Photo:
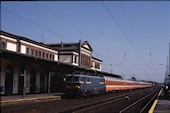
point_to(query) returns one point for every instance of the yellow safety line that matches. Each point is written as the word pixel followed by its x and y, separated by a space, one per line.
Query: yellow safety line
pixel 17 100
pixel 155 102
pixel 160 92
pixel 153 106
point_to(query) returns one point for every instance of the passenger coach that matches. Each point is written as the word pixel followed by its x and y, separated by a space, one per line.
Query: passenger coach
pixel 114 84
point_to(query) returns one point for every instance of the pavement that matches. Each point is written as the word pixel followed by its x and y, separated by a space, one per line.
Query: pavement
pixel 161 105
pixel 13 99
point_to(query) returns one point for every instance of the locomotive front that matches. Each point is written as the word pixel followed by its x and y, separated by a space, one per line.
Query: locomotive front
pixel 72 86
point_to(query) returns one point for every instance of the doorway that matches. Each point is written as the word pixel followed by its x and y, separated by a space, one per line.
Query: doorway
pixel 33 81
pixel 9 80
pixel 42 82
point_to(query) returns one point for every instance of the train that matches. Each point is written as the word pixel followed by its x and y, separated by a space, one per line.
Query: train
pixel 80 85
pixel 166 88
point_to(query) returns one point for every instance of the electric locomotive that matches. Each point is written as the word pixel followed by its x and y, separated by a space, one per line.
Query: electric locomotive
pixel 77 85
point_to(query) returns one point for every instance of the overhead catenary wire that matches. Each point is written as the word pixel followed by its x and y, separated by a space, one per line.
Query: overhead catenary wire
pixel 120 28
pixel 81 32
pixel 123 32
pixel 135 32
pixel 125 35
pixel 77 29
pixel 35 24
pixel 101 45
pixel 131 25
pixel 137 36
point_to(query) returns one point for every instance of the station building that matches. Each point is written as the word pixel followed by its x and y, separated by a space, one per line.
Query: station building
pixel 26 65
pixel 78 53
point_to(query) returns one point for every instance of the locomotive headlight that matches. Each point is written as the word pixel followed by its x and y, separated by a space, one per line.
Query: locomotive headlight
pixel 77 87
pixel 166 87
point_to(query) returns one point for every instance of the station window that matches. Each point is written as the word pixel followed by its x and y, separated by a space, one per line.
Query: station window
pixel 43 54
pixel 27 51
pixel 39 53
pixel 50 56
pixel 75 59
pixel 2 45
pixel 53 57
pixel 32 52
pixel 47 55
pixel 36 53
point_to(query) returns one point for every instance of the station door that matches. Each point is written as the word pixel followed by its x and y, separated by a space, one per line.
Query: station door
pixel 9 80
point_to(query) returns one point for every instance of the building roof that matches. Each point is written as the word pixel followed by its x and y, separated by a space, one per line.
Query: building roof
pixel 96 59
pixel 24 57
pixel 25 39
pixel 73 45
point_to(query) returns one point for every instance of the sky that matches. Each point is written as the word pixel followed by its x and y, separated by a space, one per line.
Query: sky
pixel 130 37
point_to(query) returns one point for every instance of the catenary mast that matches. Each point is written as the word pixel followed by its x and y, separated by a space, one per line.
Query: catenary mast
pixel 167 74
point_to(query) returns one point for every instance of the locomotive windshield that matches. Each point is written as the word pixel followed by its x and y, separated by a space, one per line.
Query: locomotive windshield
pixel 72 79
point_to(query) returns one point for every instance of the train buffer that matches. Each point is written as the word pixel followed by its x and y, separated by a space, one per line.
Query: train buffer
pixel 161 105
pixel 13 99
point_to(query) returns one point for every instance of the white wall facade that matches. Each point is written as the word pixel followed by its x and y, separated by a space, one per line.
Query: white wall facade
pixel 56 57
pixel 23 49
pixel 11 46
pixel 66 58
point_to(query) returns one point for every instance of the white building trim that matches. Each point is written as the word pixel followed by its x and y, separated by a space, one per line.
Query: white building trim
pixel 5 37
pixel 38 46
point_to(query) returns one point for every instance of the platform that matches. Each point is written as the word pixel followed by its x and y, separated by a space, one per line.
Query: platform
pixel 13 99
pixel 161 105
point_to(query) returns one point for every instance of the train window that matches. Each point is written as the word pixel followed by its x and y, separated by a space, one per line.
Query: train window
pixel 75 78
pixel 82 79
pixel 69 78
pixel 27 51
pixel 2 45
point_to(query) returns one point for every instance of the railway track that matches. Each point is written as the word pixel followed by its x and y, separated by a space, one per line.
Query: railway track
pixel 44 105
pixel 119 104
pixel 77 105
pixel 138 105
